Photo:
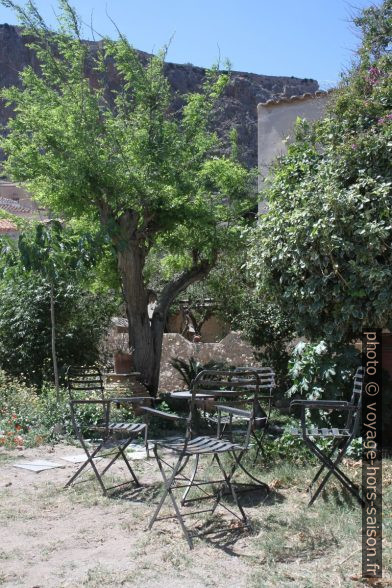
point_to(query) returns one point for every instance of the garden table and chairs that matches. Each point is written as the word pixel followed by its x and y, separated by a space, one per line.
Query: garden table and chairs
pixel 232 402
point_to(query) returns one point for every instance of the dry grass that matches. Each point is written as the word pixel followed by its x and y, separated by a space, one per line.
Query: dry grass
pixel 50 537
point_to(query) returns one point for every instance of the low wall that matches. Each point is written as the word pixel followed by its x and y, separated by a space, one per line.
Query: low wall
pixel 231 349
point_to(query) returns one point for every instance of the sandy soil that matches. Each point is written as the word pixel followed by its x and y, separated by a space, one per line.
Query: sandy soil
pixel 51 537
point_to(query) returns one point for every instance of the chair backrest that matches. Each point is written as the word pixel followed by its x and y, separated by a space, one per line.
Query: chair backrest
pixel 266 376
pixel 356 397
pixel 82 380
pixel 354 416
pixel 228 386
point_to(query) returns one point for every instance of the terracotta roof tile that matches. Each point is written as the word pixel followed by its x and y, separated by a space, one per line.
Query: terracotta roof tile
pixel 13 206
pixel 291 99
pixel 7 226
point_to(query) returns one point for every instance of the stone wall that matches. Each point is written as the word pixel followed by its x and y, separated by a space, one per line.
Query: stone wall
pixel 232 349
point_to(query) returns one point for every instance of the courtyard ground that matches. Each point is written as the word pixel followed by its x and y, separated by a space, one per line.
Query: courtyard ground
pixel 50 537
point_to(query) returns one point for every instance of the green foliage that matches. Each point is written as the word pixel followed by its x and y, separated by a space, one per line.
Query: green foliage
pixel 25 327
pixel 152 176
pixel 323 252
pixel 28 418
pixel 79 147
pixel 322 372
pixel 188 369
pixel 264 326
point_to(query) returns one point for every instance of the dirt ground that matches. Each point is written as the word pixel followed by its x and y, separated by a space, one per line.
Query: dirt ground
pixel 51 537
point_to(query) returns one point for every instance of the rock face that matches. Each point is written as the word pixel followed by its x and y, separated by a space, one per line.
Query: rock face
pixel 237 107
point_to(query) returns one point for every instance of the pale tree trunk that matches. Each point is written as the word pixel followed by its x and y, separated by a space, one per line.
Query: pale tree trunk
pixel 54 355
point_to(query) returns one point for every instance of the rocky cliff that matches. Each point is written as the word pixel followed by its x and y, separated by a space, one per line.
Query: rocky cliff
pixel 237 108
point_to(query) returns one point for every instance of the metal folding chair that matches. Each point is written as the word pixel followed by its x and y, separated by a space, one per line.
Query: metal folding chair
pixel 340 438
pixel 195 446
pixel 266 383
pixel 85 388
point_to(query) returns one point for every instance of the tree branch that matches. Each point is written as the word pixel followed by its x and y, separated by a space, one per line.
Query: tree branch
pixel 185 279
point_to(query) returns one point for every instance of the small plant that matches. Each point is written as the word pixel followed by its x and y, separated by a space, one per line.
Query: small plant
pixel 188 369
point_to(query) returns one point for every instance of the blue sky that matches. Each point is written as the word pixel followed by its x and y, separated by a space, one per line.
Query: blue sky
pixel 304 38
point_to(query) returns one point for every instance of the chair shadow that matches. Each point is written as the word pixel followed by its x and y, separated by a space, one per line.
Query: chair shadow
pixel 147 493
pixel 252 495
pixel 221 534
pixel 338 497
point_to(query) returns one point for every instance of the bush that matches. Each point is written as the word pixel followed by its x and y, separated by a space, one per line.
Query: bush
pixel 28 418
pixel 188 369
pixel 320 372
pixel 25 327
pixel 323 252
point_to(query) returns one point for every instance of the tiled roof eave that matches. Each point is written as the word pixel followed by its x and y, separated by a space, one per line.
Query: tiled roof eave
pixel 293 99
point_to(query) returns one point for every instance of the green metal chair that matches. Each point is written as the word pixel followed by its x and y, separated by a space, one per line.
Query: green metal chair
pixel 85 388
pixel 340 438
pixel 208 384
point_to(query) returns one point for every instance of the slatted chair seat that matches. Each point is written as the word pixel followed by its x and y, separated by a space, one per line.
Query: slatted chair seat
pixel 200 445
pixel 85 387
pixel 323 432
pixel 340 438
pixel 122 427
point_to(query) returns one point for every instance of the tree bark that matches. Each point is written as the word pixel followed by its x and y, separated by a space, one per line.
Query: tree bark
pixel 145 334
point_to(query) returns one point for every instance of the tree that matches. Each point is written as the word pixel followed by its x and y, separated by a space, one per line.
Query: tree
pixel 55 255
pixel 153 177
pixel 323 253
pixel 82 318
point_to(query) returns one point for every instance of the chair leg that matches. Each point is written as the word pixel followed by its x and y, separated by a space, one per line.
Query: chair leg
pixel 146 441
pixel 332 466
pixel 121 451
pixel 89 460
pixel 259 446
pixel 238 464
pixel 130 469
pixel 191 480
pixel 168 491
pixel 231 488
pixel 335 446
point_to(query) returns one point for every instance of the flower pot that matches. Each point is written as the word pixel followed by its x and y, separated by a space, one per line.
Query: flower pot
pixel 123 363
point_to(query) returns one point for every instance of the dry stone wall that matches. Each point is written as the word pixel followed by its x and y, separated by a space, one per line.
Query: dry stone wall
pixel 232 349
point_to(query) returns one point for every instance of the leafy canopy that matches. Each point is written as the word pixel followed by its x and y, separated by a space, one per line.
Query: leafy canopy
pixel 82 147
pixel 323 253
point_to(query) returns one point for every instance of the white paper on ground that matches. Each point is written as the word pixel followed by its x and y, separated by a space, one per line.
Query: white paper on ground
pixel 38 465
pixel 137 455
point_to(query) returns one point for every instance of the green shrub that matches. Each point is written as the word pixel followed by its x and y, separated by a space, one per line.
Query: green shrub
pixel 322 372
pixel 27 417
pixel 30 417
pixel 25 328
pixel 188 369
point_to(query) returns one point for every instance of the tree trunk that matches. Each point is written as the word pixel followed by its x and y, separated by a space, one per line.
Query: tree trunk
pixel 144 338
pixel 54 355
pixel 145 335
